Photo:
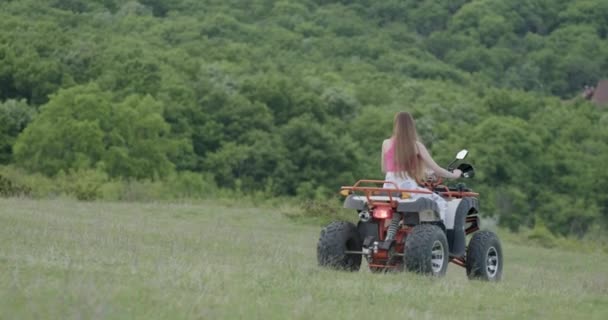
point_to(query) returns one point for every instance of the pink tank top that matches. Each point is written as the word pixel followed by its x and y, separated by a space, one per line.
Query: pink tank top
pixel 389 156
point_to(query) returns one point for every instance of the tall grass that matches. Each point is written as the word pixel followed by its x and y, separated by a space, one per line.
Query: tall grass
pixel 64 259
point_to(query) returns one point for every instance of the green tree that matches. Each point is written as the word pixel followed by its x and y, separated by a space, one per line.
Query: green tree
pixel 82 128
pixel 15 115
pixel 319 155
pixel 137 143
pixel 29 60
pixel 68 132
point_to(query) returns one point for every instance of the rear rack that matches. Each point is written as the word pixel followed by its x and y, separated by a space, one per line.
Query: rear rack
pixel 370 191
pixel 375 190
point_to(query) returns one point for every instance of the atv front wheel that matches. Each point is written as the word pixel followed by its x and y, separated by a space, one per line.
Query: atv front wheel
pixel 336 239
pixel 426 250
pixel 484 257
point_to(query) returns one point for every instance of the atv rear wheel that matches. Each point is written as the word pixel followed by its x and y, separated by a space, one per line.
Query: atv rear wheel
pixel 426 250
pixel 337 238
pixel 484 257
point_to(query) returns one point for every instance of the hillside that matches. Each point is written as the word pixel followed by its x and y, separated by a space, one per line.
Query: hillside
pixel 292 98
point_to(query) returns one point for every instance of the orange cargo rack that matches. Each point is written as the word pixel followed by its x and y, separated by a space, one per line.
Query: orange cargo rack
pixel 370 191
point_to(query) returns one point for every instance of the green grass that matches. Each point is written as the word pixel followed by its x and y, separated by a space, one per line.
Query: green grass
pixel 64 260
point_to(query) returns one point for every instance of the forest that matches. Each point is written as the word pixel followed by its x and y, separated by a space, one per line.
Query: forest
pixel 293 98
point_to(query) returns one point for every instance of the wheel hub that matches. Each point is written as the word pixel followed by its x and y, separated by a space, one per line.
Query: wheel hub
pixel 437 257
pixel 492 262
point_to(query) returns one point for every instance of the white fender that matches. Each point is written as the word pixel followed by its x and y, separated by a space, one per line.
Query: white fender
pixel 450 213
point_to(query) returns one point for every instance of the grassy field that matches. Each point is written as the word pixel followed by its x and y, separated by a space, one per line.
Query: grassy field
pixel 69 260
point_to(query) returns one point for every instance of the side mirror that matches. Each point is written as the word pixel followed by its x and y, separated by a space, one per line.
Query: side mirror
pixel 462 154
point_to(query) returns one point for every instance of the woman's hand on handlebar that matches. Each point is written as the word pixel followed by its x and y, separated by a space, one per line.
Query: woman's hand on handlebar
pixel 457 173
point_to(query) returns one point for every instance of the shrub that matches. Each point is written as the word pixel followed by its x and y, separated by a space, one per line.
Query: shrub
pixel 541 235
pixel 83 184
pixel 9 188
pixel 188 184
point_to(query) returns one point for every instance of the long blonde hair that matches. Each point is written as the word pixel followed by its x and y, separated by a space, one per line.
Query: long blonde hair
pixel 405 137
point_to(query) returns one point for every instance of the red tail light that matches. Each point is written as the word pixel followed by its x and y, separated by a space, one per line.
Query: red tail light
pixel 383 213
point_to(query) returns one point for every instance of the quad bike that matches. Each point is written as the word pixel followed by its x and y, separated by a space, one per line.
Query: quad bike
pixel 399 230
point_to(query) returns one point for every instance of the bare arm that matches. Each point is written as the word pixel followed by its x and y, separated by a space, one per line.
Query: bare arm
pixel 384 146
pixel 430 163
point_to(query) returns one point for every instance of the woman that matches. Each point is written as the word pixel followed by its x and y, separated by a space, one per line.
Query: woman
pixel 405 160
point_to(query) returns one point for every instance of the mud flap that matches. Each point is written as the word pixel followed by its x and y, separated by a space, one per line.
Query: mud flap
pixel 367 229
